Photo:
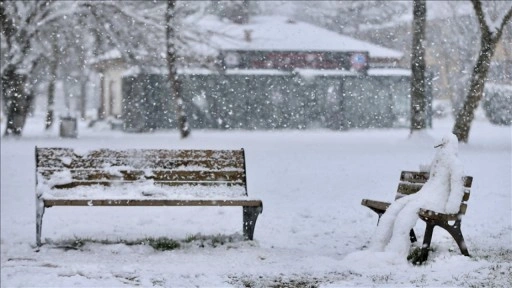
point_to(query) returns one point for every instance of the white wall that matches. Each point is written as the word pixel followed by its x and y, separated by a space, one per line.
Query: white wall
pixel 112 91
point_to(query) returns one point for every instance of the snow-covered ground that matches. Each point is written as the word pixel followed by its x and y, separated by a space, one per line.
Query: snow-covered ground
pixel 311 184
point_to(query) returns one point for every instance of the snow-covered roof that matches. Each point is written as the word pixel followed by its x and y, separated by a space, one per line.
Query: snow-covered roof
pixel 277 33
pixel 389 72
pixel 133 71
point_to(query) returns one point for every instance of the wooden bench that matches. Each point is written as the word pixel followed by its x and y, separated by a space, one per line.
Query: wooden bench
pixel 143 177
pixel 411 182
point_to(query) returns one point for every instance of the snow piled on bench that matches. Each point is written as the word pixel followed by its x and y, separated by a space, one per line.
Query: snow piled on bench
pixel 143 191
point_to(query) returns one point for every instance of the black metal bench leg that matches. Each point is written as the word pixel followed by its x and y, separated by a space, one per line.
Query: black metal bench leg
pixel 427 238
pixel 462 244
pixel 456 233
pixel 39 221
pixel 412 236
pixel 250 214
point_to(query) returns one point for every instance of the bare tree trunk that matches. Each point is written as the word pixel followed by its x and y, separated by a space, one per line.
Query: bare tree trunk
pixel 83 96
pixel 488 41
pixel 50 109
pixel 16 99
pixel 84 76
pixel 245 11
pixel 418 98
pixel 51 99
pixel 466 114
pixel 173 74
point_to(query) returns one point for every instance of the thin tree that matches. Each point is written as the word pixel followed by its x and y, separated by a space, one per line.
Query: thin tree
pixel 174 80
pixel 22 25
pixel 418 99
pixel 13 79
pixel 490 36
pixel 54 65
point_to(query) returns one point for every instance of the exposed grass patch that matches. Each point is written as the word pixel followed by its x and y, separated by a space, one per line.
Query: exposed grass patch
pixel 163 243
pixel 492 254
pixel 381 279
pixel 160 243
pixel 415 256
pixel 496 275
pixel 202 241
pixel 275 282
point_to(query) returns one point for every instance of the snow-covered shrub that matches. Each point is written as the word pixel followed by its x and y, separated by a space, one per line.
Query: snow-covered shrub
pixel 497 104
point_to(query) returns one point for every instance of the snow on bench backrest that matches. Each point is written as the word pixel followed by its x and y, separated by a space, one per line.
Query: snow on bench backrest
pixel 150 170
pixel 411 182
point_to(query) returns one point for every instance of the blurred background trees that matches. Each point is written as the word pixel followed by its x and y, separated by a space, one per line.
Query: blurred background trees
pixel 47 46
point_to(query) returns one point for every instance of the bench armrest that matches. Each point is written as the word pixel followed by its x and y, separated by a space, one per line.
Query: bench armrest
pixel 426 214
pixel 377 206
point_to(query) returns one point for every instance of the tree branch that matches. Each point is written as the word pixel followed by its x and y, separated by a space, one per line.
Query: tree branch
pixel 134 16
pixel 507 17
pixel 477 4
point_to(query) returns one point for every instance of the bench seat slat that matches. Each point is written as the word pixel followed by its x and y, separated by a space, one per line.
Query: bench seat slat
pixel 140 163
pixel 151 202
pixel 468 181
pixel 432 215
pixel 155 175
pixel 375 205
pixel 422 177
pixel 108 183
pixel 51 152
pixel 408 188
pixel 465 197
pixel 167 154
pixel 67 154
pixel 414 177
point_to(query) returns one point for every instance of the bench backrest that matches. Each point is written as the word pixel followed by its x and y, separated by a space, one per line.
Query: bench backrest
pixel 411 182
pixel 163 167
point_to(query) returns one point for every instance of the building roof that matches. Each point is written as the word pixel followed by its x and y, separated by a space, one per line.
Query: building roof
pixel 112 58
pixel 265 33
pixel 277 33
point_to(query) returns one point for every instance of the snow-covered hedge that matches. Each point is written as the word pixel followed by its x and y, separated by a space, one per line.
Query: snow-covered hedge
pixel 497 103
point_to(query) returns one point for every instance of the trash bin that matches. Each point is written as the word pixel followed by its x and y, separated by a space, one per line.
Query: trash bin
pixel 68 127
pixel 116 124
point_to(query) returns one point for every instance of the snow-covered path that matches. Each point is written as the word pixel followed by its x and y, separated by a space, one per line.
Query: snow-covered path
pixel 311 184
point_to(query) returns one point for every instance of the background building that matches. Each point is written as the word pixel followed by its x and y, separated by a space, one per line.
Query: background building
pixel 271 72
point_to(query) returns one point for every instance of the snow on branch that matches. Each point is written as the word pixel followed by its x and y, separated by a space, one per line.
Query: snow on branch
pixel 54 11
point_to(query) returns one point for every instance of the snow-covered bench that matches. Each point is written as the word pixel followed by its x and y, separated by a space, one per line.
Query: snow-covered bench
pixel 411 182
pixel 143 177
